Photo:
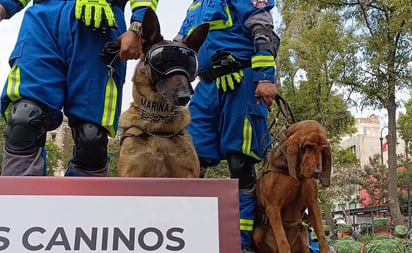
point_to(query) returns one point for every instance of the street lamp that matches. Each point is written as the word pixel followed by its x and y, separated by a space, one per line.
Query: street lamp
pixel 381 139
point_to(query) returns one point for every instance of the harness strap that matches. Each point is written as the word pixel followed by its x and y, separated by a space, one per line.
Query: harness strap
pixel 137 132
pixel 131 132
pixel 274 169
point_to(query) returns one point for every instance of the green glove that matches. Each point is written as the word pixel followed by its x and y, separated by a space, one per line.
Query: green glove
pixel 232 73
pixel 230 80
pixel 95 13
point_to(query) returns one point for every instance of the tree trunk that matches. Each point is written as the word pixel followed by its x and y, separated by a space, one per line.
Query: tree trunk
pixel 392 165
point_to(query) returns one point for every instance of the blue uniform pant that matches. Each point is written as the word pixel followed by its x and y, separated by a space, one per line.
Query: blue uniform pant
pixel 56 64
pixel 225 122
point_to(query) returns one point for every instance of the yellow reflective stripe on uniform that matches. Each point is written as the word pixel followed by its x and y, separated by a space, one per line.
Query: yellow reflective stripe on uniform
pixel 214 24
pixel 246 225
pixel 143 3
pixel 110 103
pixel 221 24
pixel 24 2
pixel 194 6
pixel 7 111
pixel 13 84
pixel 259 61
pixel 247 140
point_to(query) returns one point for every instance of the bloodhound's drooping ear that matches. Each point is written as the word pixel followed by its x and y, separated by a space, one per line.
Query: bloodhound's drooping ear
pixel 326 166
pixel 150 30
pixel 292 151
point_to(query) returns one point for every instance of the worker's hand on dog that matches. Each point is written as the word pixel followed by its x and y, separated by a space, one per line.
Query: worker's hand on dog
pixel 130 46
pixel 266 91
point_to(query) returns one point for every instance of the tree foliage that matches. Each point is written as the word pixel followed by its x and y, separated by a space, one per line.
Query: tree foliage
pixel 404 124
pixel 316 45
pixel 114 151
pixel 344 183
pixel 363 49
pixel 374 181
pixel 56 157
pixel 404 181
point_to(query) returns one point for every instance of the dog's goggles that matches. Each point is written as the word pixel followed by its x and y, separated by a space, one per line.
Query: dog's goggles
pixel 168 59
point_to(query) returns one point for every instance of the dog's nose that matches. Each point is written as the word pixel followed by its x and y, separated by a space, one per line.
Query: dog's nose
pixel 183 100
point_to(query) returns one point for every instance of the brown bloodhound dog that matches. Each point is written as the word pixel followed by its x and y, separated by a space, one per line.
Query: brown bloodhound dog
pixel 288 186
pixel 155 142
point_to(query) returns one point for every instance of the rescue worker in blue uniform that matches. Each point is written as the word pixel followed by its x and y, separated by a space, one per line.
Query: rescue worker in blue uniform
pixel 237 84
pixel 56 69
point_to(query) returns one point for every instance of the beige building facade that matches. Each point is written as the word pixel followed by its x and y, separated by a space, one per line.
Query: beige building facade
pixel 59 136
pixel 365 144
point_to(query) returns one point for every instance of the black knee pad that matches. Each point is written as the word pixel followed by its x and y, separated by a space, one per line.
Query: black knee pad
pixel 90 145
pixel 26 128
pixel 204 164
pixel 242 167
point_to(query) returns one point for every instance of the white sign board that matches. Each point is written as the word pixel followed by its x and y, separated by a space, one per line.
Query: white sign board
pixel 36 219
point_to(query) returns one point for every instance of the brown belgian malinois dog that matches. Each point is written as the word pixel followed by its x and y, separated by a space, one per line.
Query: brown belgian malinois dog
pixel 155 142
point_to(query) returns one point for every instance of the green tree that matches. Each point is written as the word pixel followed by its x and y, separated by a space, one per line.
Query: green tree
pixel 219 171
pixel 377 68
pixel 405 127
pixel 344 182
pixel 374 180
pixel 315 44
pixel 385 47
pixel 55 158
pixel 404 181
pixel 114 151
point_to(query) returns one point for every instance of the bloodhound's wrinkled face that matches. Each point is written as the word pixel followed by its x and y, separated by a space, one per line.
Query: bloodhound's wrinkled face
pixel 172 66
pixel 313 151
pixel 308 151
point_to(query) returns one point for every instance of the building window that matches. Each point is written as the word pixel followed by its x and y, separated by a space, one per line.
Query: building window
pixel 352 149
pixel 353 205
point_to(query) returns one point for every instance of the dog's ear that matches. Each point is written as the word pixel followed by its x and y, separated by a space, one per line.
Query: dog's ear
pixel 150 28
pixel 197 37
pixel 292 150
pixel 326 166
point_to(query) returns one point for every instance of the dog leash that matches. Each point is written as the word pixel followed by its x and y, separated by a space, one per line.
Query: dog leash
pixel 284 108
pixel 289 119
pixel 110 53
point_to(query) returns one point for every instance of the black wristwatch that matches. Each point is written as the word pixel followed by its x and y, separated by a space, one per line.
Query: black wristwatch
pixel 136 27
